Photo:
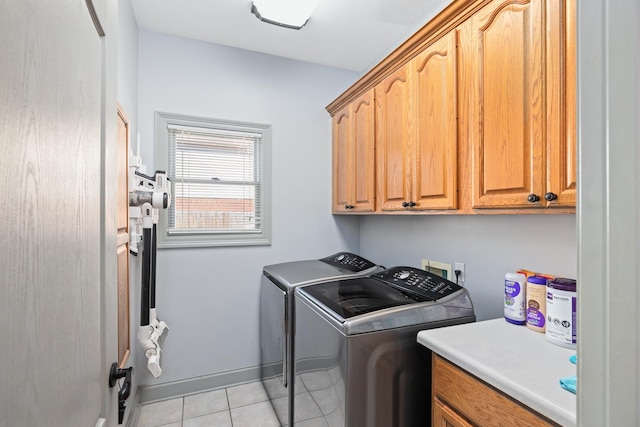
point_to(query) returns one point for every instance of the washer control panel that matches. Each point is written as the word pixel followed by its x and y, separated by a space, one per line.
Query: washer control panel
pixel 417 281
pixel 348 261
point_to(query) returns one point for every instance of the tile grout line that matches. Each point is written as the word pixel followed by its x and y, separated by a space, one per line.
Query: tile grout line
pixel 226 393
pixel 182 421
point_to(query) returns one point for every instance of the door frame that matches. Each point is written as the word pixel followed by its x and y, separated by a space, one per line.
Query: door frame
pixel 608 208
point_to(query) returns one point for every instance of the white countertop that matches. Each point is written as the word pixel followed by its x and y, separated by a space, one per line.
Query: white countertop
pixel 514 359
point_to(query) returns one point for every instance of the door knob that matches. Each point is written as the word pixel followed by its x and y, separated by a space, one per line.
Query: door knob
pixel 123 394
pixel 533 198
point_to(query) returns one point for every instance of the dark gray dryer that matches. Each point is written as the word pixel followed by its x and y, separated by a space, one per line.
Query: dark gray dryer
pixel 277 316
pixel 357 358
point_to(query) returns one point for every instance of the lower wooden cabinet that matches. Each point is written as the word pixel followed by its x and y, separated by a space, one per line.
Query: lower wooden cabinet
pixel 444 416
pixel 461 400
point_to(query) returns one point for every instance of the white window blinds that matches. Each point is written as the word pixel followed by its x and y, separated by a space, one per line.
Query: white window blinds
pixel 220 173
pixel 217 180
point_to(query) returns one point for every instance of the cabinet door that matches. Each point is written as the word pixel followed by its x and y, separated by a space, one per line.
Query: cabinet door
pixel 342 156
pixel 561 102
pixel 363 164
pixel 476 401
pixel 393 161
pixel 435 133
pixel 354 156
pixel 502 54
pixel 443 416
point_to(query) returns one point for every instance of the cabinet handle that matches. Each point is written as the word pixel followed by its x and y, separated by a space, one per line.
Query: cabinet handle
pixel 550 196
pixel 349 206
pixel 533 198
pixel 412 204
pixel 405 204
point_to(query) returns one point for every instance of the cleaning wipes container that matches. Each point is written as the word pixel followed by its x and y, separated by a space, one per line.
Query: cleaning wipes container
pixel 536 303
pixel 561 312
pixel 514 298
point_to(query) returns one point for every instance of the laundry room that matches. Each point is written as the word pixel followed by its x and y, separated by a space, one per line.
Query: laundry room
pixel 218 287
pixel 216 290
pixel 317 305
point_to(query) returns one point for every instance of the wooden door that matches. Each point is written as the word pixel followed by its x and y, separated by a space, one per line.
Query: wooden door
pixel 122 251
pixel 435 133
pixel 476 401
pixel 342 158
pixel 354 156
pixel 502 55
pixel 444 416
pixel 393 147
pixel 363 164
pixel 53 292
pixel 561 102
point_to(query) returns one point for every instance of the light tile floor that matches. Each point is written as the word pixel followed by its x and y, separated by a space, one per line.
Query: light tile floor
pixel 245 405
pixel 318 397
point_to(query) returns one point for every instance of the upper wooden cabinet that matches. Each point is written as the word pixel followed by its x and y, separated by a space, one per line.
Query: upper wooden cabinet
pixel 416 132
pixel 353 156
pixel 434 101
pixel 392 141
pixel 475 113
pixel 515 59
pixel 561 102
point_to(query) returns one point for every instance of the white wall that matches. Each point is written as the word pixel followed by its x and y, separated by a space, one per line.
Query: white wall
pixel 209 296
pixel 489 245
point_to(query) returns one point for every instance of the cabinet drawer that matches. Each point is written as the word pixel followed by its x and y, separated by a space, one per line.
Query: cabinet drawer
pixel 477 401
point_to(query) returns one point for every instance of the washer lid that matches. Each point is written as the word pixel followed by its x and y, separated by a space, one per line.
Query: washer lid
pixel 353 297
pixel 340 265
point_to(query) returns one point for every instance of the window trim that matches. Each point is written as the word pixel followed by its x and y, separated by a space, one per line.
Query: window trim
pixel 195 239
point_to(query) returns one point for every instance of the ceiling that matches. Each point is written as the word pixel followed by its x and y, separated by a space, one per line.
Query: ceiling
pixel 349 34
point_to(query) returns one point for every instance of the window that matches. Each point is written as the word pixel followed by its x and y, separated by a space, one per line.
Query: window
pixel 219 172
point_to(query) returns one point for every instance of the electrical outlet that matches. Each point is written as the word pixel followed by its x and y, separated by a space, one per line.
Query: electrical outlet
pixel 461 278
pixel 441 269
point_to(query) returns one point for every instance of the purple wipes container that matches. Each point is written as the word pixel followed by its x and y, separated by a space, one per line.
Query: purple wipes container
pixel 561 312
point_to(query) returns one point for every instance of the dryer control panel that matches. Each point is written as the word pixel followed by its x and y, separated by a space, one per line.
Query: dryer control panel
pixel 348 261
pixel 417 281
